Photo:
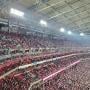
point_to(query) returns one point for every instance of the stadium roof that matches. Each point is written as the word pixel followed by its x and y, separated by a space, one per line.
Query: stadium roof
pixel 73 15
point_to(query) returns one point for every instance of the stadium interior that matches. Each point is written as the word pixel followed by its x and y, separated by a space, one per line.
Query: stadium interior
pixel 44 44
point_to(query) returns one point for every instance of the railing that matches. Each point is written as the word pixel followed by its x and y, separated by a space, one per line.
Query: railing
pixel 43 61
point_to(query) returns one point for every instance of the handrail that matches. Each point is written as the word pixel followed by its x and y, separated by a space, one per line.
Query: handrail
pixel 48 60
pixel 39 62
pixel 54 74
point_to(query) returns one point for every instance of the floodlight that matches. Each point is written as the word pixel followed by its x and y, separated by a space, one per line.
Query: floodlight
pixel 42 22
pixel 69 32
pixel 16 12
pixel 62 30
pixel 81 34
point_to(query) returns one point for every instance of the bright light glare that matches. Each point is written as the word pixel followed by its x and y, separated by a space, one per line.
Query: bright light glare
pixel 69 32
pixel 62 30
pixel 81 34
pixel 42 22
pixel 16 12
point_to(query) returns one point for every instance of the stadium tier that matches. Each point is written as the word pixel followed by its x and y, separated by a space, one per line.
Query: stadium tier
pixel 44 44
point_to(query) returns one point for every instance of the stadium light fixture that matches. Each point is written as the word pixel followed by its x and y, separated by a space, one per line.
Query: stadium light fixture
pixel 16 12
pixel 43 23
pixel 81 34
pixel 62 30
pixel 69 32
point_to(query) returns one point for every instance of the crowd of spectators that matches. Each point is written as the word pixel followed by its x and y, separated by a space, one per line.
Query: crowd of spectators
pixel 12 63
pixel 66 80
pixel 14 41
pixel 22 79
pixel 75 78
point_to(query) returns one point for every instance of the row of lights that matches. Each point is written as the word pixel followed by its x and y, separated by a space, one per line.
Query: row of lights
pixel 69 32
pixel 62 30
pixel 42 22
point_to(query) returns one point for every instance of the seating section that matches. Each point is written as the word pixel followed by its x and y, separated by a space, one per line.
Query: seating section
pixel 10 41
pixel 12 63
pixel 21 79
pixel 75 78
